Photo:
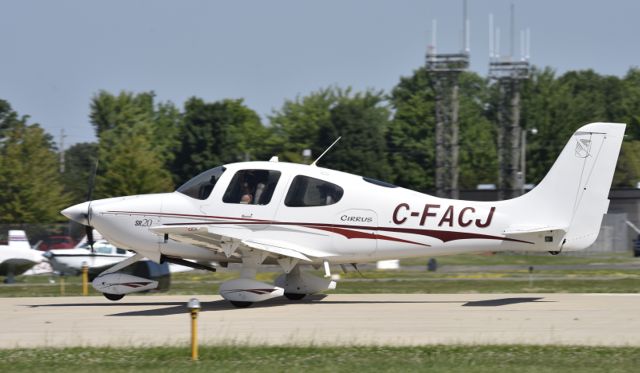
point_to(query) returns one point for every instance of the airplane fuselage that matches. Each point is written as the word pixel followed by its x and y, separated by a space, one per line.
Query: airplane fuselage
pixel 370 221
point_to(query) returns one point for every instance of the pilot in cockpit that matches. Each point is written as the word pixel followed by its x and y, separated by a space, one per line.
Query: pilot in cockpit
pixel 246 196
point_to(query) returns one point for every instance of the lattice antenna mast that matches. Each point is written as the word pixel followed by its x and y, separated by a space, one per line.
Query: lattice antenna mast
pixel 465 29
pixel 444 70
pixel 508 74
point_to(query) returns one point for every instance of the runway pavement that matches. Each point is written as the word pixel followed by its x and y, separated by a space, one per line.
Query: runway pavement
pixel 369 319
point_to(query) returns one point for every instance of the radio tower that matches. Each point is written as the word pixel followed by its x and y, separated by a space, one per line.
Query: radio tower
pixel 509 74
pixel 444 70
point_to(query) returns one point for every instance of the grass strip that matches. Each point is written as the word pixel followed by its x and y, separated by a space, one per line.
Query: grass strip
pixel 439 358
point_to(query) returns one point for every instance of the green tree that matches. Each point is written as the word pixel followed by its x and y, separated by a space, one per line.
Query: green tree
pixel 216 133
pixel 295 127
pixel 109 111
pixel 411 136
pixel 79 162
pixel 478 161
pixel 361 120
pixel 31 188
pixel 628 167
pixel 127 109
pixel 132 155
pixel 631 103
pixel 318 119
pixel 167 121
pixel 540 105
pixel 129 165
pixel 411 139
pixel 556 107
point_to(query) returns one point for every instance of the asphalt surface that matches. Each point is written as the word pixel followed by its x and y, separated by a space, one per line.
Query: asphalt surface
pixel 340 319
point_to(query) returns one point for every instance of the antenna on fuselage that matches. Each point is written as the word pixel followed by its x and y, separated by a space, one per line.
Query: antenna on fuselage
pixel 325 152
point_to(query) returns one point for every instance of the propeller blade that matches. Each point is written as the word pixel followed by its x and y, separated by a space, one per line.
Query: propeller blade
pixel 92 181
pixel 89 232
pixel 88 228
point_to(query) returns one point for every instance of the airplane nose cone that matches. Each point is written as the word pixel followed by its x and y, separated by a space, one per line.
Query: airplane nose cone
pixel 78 213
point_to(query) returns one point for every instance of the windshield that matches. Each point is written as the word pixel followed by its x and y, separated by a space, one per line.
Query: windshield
pixel 200 187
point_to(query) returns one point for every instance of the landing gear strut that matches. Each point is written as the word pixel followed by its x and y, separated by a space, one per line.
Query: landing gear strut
pixel 244 291
pixel 114 285
pixel 298 284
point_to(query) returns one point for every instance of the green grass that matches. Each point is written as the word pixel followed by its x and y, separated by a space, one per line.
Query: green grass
pixel 488 286
pixel 467 359
pixel 573 281
pixel 489 259
pixel 456 278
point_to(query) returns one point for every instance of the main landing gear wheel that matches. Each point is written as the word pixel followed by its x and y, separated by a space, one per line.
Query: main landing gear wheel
pixel 294 296
pixel 240 304
pixel 113 297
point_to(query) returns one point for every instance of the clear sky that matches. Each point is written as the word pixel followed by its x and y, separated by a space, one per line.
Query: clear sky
pixel 54 55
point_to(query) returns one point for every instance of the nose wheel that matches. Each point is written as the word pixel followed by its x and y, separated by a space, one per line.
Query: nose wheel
pixel 113 297
pixel 240 304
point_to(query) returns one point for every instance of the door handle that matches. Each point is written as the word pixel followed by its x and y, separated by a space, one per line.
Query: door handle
pixel 247 215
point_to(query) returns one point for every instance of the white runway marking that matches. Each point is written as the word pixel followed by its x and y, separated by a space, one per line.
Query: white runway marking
pixel 365 319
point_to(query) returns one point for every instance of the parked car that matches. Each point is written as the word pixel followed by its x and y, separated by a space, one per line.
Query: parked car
pixel 57 242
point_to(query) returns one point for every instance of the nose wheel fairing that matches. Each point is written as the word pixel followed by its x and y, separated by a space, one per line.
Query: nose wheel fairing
pixel 114 285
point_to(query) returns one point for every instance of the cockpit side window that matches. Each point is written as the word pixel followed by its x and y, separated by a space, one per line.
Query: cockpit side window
pixel 103 249
pixel 200 187
pixel 252 187
pixel 307 191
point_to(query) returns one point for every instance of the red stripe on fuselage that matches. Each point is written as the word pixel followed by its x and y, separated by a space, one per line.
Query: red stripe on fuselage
pixel 442 235
pixel 348 233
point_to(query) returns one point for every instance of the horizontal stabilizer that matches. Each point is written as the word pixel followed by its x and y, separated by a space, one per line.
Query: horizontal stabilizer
pixel 515 230
pixel 543 238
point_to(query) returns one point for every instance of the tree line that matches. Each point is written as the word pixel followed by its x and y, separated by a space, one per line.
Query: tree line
pixel 145 145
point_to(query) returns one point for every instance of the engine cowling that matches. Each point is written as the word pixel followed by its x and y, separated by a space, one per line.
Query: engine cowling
pixel 247 290
pixel 122 283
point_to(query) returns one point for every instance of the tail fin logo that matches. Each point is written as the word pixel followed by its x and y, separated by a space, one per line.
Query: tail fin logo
pixel 583 148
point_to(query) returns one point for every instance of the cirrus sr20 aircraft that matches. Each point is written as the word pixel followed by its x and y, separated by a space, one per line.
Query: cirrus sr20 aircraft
pixel 295 215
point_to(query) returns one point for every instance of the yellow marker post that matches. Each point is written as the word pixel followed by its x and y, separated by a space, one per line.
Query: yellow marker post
pixel 194 308
pixel 62 285
pixel 85 279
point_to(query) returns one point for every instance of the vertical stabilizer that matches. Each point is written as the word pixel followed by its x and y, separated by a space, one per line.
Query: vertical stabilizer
pixel 574 194
pixel 18 240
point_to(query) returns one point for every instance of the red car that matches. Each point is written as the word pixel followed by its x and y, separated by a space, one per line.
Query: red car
pixel 57 242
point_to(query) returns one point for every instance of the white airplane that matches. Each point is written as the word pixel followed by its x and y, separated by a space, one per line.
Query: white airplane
pixel 70 261
pixel 17 257
pixel 97 258
pixel 257 213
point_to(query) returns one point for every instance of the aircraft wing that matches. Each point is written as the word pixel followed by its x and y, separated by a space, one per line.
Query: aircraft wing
pixel 228 240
